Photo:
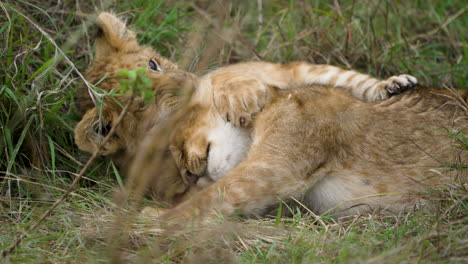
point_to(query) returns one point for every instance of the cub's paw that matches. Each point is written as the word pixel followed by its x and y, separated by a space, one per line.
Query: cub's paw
pixel 151 212
pixel 238 97
pixel 391 86
pixel 400 83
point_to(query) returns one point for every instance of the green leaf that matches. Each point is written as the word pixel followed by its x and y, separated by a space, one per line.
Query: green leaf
pixel 117 176
pixel 9 140
pixel 44 67
pixel 147 81
pixel 11 94
pixel 132 75
pixel 122 73
pixel 18 144
pixel 279 214
pixel 148 96
pixel 5 26
pixel 141 71
pixel 52 152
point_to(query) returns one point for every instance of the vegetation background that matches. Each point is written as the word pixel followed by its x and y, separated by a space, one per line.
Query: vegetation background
pixel 45 44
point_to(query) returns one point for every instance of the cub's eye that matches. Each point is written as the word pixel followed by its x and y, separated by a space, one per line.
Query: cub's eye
pixel 154 66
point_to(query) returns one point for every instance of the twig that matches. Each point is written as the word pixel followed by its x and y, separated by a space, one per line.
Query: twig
pixel 8 251
pixel 248 46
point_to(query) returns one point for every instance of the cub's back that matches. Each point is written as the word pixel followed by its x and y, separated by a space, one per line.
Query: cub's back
pixel 378 155
pixel 411 128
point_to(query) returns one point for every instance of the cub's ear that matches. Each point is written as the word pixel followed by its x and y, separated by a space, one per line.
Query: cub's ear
pixel 113 36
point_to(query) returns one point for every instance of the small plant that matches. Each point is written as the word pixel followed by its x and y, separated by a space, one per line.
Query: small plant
pixel 136 83
pixel 460 138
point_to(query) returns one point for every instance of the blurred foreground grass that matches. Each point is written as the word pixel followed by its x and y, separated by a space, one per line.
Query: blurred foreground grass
pixel 38 158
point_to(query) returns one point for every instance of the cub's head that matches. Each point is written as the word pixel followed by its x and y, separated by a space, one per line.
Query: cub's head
pixel 205 147
pixel 117 49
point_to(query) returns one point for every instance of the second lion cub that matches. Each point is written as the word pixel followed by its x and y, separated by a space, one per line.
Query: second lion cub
pixel 320 145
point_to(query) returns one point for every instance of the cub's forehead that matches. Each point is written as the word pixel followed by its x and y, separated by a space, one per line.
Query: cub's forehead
pixel 107 67
pixel 126 60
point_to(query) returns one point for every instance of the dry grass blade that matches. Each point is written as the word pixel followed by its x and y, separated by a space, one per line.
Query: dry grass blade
pixel 18 178
pixel 316 217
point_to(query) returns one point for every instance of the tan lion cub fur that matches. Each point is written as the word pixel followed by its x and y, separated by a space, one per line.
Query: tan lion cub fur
pixel 117 49
pixel 323 147
pixel 238 90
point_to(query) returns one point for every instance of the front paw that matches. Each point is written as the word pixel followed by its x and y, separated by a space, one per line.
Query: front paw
pixel 151 212
pixel 393 85
pixel 400 83
pixel 238 98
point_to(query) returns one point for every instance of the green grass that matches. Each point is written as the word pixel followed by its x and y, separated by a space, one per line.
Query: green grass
pixel 38 157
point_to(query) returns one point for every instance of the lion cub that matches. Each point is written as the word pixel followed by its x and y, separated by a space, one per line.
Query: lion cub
pixel 238 91
pixel 323 147
pixel 117 49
